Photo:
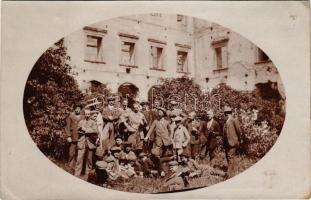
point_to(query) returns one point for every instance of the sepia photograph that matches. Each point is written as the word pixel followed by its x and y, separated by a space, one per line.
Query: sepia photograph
pixel 154 103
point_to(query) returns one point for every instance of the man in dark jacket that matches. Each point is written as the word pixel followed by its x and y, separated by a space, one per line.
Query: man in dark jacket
pixel 233 134
pixel 71 131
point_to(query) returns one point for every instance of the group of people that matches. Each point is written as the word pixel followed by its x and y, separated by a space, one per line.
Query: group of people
pixel 128 141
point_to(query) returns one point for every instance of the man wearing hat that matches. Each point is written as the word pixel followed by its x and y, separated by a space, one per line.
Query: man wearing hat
pixel 144 164
pixel 194 128
pixel 177 180
pixel 71 131
pixel 128 153
pixel 190 165
pixel 88 133
pixel 175 112
pixel 213 138
pixel 232 132
pixel 118 143
pixel 161 126
pixel 113 167
pixel 136 122
pixel 180 136
pixel 150 116
pixel 110 116
pixel 101 173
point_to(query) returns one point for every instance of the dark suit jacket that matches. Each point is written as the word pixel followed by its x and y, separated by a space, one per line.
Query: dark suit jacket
pixel 210 133
pixel 232 131
pixel 71 129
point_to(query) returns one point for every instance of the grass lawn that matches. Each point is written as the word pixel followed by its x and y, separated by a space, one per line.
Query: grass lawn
pixel 210 176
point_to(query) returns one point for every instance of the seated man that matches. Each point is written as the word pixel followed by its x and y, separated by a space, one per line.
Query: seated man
pixel 164 161
pixel 190 165
pixel 101 173
pixel 126 169
pixel 118 142
pixel 113 167
pixel 177 180
pixel 128 153
pixel 144 165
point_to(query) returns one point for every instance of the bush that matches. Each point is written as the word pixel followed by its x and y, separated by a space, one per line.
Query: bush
pixel 49 95
pixel 258 140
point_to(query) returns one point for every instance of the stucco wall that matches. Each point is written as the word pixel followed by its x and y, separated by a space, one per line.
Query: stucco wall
pixel 111 73
pixel 242 72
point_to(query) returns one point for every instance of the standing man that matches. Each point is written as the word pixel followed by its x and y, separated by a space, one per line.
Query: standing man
pixel 110 116
pixel 194 128
pixel 88 133
pixel 125 107
pixel 180 137
pixel 232 133
pixel 150 116
pixel 213 142
pixel 161 126
pixel 71 131
pixel 136 122
pixel 124 113
pixel 176 112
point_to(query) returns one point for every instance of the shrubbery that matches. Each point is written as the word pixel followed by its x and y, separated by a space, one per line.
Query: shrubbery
pixel 258 138
pixel 49 95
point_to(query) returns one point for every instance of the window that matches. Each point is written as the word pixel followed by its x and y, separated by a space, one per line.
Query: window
pixel 94 45
pixel 262 56
pixel 157 57
pixel 218 57
pixel 221 54
pixel 127 53
pixel 128 49
pixel 93 51
pixel 182 57
pixel 182 61
pixel 157 53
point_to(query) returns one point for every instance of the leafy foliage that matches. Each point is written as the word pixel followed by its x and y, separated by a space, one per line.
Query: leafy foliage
pixel 258 138
pixel 49 95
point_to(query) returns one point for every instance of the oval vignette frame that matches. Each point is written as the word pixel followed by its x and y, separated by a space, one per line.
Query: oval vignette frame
pixel 159 59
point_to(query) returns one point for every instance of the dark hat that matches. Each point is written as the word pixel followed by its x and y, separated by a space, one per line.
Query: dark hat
pixel 127 144
pixel 141 155
pixel 184 154
pixel 163 109
pixel 143 103
pixel 227 109
pixel 115 149
pixel 77 105
pixel 178 119
pixel 173 163
pixel 118 136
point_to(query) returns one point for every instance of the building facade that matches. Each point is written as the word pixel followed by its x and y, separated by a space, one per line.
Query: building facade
pixel 139 50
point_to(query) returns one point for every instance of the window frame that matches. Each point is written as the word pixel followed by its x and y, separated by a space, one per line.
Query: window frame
pixel 98 34
pixel 128 38
pixel 186 49
pixel 157 44
pixel 220 46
